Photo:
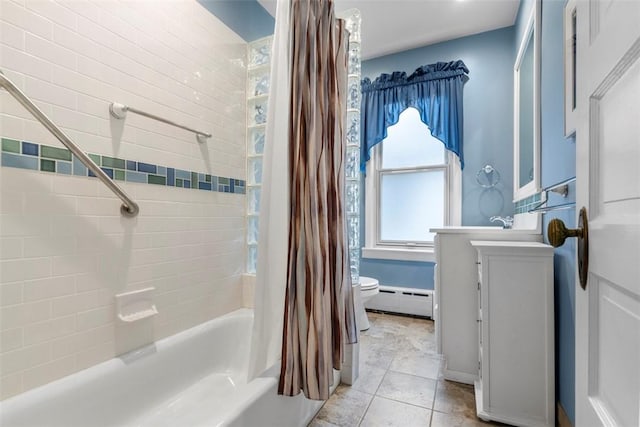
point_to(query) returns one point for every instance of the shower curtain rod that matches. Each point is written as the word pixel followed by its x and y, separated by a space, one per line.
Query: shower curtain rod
pixel 129 208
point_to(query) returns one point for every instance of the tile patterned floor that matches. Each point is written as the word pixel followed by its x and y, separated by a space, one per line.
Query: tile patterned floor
pixel 400 382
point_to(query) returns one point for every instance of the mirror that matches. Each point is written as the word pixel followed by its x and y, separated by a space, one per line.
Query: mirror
pixel 526 111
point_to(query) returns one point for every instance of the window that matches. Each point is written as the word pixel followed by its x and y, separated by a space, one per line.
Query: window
pixel 412 185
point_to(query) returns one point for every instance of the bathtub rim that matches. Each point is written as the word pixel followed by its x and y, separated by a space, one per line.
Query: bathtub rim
pixel 262 387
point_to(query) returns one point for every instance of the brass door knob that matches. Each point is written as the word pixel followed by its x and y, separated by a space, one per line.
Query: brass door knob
pixel 557 233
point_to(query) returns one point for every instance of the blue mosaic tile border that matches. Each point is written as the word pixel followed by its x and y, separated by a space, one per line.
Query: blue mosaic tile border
pixel 38 157
pixel 523 206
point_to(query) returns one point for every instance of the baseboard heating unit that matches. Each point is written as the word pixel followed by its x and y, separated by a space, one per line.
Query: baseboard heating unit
pixel 418 302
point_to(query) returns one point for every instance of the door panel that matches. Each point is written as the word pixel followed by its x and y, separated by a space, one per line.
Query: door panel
pixel 614 377
pixel 616 142
pixel 608 182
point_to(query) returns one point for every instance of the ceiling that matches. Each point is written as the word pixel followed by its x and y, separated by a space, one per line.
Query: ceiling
pixel 390 26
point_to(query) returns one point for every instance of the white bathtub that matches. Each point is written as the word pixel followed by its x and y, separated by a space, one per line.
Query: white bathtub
pixel 194 378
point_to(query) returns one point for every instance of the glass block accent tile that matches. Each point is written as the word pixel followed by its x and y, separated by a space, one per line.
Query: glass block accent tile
pixel 352 139
pixel 260 52
pixel 257 102
pixel 34 156
pixel 252 259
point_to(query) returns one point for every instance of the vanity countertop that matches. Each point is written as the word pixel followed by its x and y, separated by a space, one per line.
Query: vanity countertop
pixel 482 229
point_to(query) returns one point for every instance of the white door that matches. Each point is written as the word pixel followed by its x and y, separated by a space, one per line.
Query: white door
pixel 608 185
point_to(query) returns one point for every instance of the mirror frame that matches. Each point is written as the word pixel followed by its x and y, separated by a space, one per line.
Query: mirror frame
pixel 531 32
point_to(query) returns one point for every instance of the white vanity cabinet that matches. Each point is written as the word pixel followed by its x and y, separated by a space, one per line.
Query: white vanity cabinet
pixel 515 333
pixel 456 297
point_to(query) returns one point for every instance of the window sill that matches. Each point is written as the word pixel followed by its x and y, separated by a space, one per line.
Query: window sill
pixel 400 254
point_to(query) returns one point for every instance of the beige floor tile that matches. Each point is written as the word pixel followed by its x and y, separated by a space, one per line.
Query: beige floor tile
pixel 389 413
pixel 320 423
pixel 455 398
pixel 430 348
pixel 379 335
pixel 416 362
pixel 345 407
pixel 440 419
pixel 392 322
pixel 410 344
pixel 415 342
pixel 378 354
pixel 369 379
pixel 408 389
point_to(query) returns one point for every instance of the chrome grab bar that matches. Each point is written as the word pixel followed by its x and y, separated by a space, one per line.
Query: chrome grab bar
pixel 119 111
pixel 129 208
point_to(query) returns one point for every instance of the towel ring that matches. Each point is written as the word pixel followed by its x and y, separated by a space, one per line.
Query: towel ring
pixel 488 176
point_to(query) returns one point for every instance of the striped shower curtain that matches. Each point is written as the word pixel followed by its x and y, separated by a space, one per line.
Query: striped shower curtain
pixel 318 317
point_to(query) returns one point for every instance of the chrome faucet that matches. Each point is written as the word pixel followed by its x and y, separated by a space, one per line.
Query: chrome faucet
pixel 507 222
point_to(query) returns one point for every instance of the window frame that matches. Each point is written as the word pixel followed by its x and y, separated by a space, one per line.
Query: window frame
pixel 380 172
pixel 402 250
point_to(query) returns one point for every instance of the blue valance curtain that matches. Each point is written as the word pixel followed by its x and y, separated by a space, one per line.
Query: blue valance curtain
pixel 435 90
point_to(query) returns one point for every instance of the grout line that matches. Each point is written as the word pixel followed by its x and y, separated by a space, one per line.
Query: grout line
pixel 375 393
pixel 435 395
pixel 433 404
pixel 405 403
pixel 414 375
pixel 373 396
pixel 361 419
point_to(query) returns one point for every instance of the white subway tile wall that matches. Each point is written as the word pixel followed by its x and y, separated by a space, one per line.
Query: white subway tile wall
pixel 65 251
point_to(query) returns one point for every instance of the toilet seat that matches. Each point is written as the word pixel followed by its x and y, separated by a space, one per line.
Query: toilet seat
pixel 367 283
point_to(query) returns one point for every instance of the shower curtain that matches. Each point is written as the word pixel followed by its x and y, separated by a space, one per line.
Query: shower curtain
pixel 319 316
pixel 271 268
pixel 315 284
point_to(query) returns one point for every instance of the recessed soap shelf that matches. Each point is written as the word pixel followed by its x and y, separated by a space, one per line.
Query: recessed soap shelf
pixel 136 305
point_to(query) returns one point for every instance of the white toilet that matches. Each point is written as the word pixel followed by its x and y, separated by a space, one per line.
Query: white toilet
pixel 362 292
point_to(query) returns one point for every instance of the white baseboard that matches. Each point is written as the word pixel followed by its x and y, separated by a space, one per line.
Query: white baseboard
pixel 396 299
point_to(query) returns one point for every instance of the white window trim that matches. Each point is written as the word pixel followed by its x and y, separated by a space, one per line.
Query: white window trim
pixel 453 215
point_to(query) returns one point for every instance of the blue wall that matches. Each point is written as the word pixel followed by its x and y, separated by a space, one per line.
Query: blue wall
pixel 246 17
pixel 488 134
pixel 399 273
pixel 488 112
pixel 558 162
